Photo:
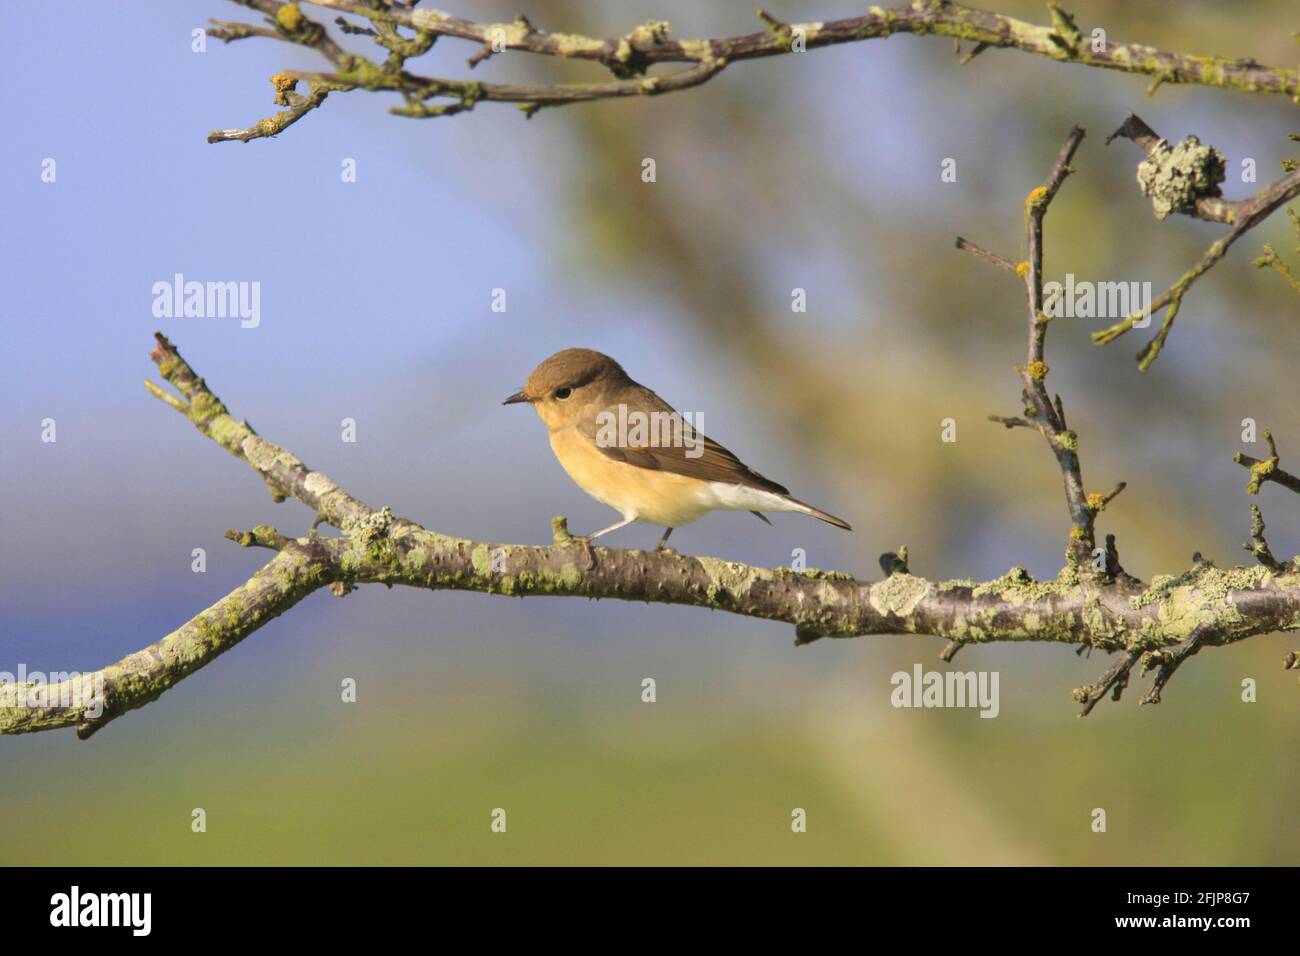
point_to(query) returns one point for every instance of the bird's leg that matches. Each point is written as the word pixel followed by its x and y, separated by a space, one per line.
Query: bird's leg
pixel 585 540
pixel 588 538
pixel 663 542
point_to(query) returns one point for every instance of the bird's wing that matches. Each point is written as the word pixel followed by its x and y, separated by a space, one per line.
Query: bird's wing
pixel 698 456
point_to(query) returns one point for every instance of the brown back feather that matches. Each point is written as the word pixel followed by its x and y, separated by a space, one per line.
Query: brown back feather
pixel 712 462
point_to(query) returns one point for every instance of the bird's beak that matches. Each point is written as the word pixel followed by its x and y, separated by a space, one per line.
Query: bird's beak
pixel 516 398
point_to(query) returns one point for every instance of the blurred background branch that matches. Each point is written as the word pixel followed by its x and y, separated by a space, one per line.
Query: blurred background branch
pixel 629 57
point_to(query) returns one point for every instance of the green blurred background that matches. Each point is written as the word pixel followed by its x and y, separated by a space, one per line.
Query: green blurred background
pixel 818 171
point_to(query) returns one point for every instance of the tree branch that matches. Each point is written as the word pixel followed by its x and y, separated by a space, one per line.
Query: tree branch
pixel 1205 203
pixel 1258 546
pixel 1048 417
pixel 1042 412
pixel 629 57
pixel 1267 469
pixel 1219 606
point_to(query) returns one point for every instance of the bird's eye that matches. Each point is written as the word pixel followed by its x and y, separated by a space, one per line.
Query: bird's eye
pixel 563 393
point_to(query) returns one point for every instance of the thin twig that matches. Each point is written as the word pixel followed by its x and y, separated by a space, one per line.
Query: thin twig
pixel 1242 215
pixel 991 257
pixel 1114 680
pixel 1267 469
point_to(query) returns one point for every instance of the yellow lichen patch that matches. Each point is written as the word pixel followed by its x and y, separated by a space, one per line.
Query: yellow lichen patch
pixel 1022 268
pixel 284 85
pixel 1037 370
pixel 289 18
pixel 1216 583
pixel 1258 472
pixel 1018 586
pixel 1096 501
pixel 956 584
pixel 1036 197
pixel 1197 598
pixel 570 44
pixel 371 527
pixel 507 34
pixel 1178 615
pixel 696 49
pixel 652 31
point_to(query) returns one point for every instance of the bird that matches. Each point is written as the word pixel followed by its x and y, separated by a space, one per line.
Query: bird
pixel 632 451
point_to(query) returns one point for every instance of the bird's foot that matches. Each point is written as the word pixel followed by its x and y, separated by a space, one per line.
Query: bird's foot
pixel 562 538
pixel 583 542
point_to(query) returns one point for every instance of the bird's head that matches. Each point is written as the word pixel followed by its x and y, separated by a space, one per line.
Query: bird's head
pixel 567 383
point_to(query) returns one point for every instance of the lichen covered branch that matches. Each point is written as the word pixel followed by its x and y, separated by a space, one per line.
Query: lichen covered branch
pixel 1262 471
pixel 283 473
pixel 1185 179
pixel 630 57
pixel 1084 561
pixel 1118 613
pixel 1270 258
pixel 1267 469
pixel 1041 411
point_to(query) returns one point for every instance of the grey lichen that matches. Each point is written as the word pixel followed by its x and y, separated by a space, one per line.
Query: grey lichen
pixel 372 526
pixel 728 578
pixel 1018 587
pixel 898 594
pixel 1175 177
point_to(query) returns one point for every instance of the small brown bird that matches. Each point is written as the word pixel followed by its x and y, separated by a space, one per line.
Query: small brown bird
pixel 629 449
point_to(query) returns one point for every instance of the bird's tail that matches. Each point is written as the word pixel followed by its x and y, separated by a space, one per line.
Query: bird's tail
pixel 808 509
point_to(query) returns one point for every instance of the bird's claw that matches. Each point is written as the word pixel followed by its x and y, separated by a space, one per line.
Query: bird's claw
pixel 584 542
